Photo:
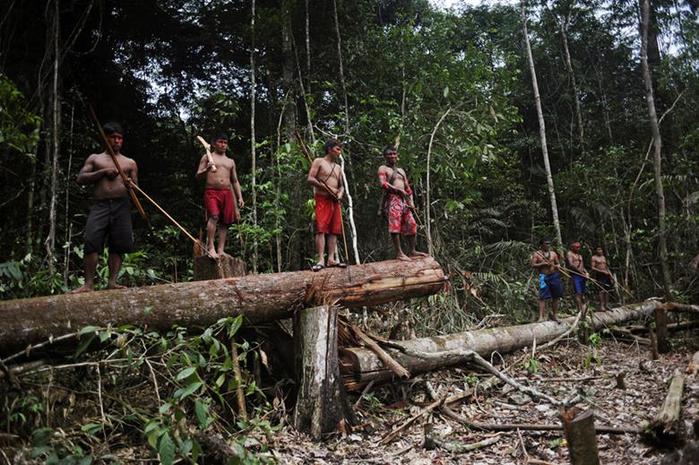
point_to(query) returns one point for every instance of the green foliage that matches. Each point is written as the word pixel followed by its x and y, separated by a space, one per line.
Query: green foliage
pixel 19 127
pixel 532 365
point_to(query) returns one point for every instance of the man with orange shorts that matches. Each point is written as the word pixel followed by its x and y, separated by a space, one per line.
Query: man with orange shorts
pixel 398 204
pixel 325 176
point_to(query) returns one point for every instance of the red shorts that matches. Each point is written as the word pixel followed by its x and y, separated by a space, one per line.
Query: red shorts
pixel 400 218
pixel 220 203
pixel 328 215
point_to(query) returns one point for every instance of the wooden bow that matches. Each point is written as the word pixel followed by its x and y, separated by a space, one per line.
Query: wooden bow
pixel 207 146
pixel 127 182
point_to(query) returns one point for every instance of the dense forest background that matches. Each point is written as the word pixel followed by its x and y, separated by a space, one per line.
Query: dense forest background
pixel 452 86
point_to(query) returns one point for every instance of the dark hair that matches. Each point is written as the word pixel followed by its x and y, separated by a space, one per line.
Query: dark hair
pixel 219 136
pixel 113 127
pixel 389 148
pixel 544 239
pixel 332 143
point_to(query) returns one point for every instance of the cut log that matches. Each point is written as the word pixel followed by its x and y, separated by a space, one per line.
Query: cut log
pixel 258 298
pixel 693 364
pixel 579 428
pixel 319 403
pixel 206 268
pixel 661 329
pixel 359 365
pixel 665 424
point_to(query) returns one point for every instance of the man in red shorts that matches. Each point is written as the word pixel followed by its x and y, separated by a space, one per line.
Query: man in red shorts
pixel 220 193
pixel 398 204
pixel 325 176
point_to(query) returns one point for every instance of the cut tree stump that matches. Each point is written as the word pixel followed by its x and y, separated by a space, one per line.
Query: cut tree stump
pixel 319 406
pixel 206 268
pixel 665 424
pixel 259 298
pixel 360 365
pixel 579 429
pixel 661 329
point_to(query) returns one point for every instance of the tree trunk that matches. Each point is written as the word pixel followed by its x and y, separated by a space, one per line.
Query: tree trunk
pixel 206 268
pixel 319 403
pixel 563 25
pixel 542 127
pixel 288 70
pixel 263 297
pixel 359 365
pixel 253 142
pixel 665 424
pixel 657 147
pixel 579 428
pixel 50 243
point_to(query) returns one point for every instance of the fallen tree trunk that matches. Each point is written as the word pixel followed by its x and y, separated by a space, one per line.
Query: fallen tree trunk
pixel 263 297
pixel 665 424
pixel 359 366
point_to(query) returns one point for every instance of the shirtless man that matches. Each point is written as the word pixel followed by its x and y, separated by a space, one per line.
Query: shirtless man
pixel 398 204
pixel 547 263
pixel 603 276
pixel 110 213
pixel 325 176
pixel 579 275
pixel 220 193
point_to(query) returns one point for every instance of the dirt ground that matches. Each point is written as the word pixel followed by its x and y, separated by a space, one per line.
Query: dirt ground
pixel 562 372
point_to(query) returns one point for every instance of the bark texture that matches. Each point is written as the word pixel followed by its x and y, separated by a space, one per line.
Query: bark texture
pixel 206 268
pixel 318 404
pixel 359 365
pixel 666 422
pixel 579 428
pixel 264 297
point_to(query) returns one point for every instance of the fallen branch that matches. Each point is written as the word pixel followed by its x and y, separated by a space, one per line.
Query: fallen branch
pixel 469 355
pixel 448 412
pixel 389 361
pixel 432 441
pixel 664 425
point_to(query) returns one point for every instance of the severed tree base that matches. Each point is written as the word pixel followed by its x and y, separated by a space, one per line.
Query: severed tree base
pixel 206 268
pixel 319 405
pixel 579 428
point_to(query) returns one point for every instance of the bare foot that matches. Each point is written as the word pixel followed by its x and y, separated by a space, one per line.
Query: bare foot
pixel 115 286
pixel 403 257
pixel 83 289
pixel 554 318
pixel 416 254
pixel 220 253
pixel 212 253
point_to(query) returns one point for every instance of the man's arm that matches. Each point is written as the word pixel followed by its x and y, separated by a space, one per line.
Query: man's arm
pixel 387 186
pixel 594 263
pixel 537 260
pixel 88 174
pixel 203 167
pixel 134 173
pixel 236 186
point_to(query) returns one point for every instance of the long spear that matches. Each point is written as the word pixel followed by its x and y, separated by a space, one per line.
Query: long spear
pixel 110 151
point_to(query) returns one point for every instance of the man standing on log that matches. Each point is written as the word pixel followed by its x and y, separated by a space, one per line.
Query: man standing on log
pixel 220 193
pixel 325 176
pixel 603 276
pixel 397 204
pixel 547 263
pixel 579 274
pixel 110 213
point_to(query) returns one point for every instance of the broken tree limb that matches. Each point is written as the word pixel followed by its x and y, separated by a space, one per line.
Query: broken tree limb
pixel 661 329
pixel 665 423
pixel 433 441
pixel 359 366
pixel 448 412
pixel 693 365
pixel 263 297
pixel 389 361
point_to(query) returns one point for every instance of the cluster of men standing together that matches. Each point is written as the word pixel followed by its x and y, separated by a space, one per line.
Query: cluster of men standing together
pixel 109 219
pixel 548 264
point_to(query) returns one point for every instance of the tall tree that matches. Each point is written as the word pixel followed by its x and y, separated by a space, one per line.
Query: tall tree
pixel 542 125
pixel 253 142
pixel 657 146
